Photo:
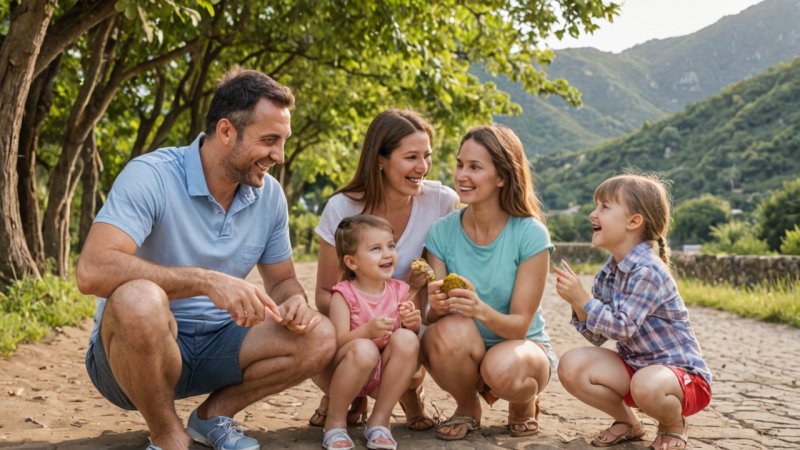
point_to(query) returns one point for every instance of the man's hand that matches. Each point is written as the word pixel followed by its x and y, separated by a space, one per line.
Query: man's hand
pixel 297 316
pixel 248 304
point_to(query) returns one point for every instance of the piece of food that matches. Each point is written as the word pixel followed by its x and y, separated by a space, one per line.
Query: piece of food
pixel 453 281
pixel 420 265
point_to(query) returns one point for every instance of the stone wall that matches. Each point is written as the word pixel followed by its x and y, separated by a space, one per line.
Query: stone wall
pixel 738 270
pixel 578 252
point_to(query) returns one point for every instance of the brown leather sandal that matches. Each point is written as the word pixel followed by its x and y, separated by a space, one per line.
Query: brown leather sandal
pixel 608 437
pixel 527 426
pixel 418 422
pixel 356 415
pixel 464 425
pixel 671 440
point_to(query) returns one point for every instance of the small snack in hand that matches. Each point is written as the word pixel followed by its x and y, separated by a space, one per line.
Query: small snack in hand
pixel 420 265
pixel 453 281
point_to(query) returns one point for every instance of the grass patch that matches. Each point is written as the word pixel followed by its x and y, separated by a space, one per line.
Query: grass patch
pixel 776 302
pixel 30 307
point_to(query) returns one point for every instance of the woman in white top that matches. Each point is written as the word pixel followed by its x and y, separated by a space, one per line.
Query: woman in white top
pixel 389 183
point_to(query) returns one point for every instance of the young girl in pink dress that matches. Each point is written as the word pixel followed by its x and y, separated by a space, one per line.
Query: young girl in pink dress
pixel 376 329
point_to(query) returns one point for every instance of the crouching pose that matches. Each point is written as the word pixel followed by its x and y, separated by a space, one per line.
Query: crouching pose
pixel 658 366
pixel 490 339
pixel 376 326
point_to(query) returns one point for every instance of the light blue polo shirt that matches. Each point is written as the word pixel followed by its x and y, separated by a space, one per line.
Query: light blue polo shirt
pixel 161 200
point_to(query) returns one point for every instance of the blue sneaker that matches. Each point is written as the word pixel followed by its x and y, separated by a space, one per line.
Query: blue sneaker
pixel 219 432
pixel 152 446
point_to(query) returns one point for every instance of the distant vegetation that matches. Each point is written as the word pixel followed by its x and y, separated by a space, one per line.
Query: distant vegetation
pixel 738 145
pixel 652 80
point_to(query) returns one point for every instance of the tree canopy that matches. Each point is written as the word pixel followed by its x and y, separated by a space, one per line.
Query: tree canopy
pixel 89 84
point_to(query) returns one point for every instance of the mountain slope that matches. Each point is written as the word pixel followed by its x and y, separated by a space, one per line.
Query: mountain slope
pixel 737 144
pixel 651 80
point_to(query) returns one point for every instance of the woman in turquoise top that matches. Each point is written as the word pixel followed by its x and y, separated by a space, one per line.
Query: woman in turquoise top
pixel 490 339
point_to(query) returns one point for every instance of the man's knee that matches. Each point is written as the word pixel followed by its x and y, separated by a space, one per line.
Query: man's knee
pixel 137 305
pixel 320 346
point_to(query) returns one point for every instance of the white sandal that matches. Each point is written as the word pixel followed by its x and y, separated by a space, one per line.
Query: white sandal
pixel 336 436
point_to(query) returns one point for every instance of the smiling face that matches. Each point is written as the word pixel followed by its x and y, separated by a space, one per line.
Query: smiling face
pixel 375 256
pixel 407 165
pixel 610 224
pixel 476 176
pixel 260 145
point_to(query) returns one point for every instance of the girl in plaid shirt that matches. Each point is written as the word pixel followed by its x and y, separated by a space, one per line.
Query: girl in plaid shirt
pixel 658 366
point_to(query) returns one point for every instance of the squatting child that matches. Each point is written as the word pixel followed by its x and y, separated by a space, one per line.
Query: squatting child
pixel 658 366
pixel 376 328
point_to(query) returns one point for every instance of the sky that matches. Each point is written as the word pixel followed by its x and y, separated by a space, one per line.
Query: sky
pixel 642 20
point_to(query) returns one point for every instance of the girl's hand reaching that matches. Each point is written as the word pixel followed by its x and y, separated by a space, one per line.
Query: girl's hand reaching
pixel 410 316
pixel 380 327
pixel 569 287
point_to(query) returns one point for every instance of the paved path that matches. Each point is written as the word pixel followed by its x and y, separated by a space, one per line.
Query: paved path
pixel 756 401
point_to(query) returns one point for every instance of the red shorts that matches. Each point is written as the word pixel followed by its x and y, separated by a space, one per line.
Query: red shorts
pixel 696 391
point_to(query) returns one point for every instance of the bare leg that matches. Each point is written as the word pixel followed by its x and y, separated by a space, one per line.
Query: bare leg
pixel 597 377
pixel 354 363
pixel 403 347
pixel 138 333
pixel 517 370
pixel 272 359
pixel 657 392
pixel 452 352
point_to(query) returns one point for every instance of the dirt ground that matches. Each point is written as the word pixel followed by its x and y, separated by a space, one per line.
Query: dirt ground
pixel 48 402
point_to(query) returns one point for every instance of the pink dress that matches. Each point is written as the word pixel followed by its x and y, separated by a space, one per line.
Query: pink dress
pixel 365 307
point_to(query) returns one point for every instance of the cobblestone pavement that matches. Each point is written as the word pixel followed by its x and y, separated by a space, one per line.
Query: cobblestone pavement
pixel 47 401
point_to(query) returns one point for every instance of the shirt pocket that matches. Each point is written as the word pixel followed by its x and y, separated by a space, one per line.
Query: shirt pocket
pixel 251 254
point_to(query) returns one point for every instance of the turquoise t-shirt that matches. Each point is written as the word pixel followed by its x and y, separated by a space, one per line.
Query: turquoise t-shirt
pixel 492 268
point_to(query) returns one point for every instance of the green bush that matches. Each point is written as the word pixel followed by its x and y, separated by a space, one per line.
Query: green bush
pixel 30 307
pixel 790 244
pixel 735 238
pixel 780 213
pixel 301 233
pixel 693 219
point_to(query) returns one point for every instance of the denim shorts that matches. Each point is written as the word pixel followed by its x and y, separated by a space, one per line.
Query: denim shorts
pixel 209 354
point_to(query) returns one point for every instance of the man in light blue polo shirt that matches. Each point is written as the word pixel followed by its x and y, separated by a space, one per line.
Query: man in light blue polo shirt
pixel 167 257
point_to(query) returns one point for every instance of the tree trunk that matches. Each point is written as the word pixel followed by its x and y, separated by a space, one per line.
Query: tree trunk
pixel 90 179
pixel 36 109
pixel 18 55
pixel 82 119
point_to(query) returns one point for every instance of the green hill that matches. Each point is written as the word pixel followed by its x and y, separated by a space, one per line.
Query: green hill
pixel 653 79
pixel 737 144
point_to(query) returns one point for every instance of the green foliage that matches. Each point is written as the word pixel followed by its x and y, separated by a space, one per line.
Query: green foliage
pixel 790 244
pixel 736 145
pixel 693 219
pixel 735 238
pixel 29 308
pixel 573 227
pixel 774 302
pixel 301 233
pixel 622 91
pixel 780 213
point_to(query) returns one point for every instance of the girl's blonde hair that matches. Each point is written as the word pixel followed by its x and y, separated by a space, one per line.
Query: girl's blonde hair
pixel 348 236
pixel 646 195
pixel 517 195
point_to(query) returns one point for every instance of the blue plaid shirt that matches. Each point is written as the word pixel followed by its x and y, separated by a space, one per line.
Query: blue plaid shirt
pixel 637 304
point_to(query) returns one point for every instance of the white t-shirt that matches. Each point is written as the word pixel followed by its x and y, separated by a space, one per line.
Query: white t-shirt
pixel 436 201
